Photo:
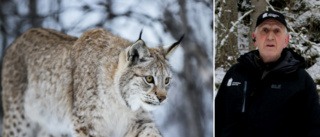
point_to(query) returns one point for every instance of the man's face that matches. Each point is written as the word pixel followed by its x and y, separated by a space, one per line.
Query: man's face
pixel 271 39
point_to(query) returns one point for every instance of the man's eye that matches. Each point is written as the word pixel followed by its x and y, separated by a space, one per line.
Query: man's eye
pixel 265 30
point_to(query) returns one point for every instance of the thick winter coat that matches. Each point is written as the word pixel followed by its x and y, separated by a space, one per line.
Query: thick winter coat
pixel 267 100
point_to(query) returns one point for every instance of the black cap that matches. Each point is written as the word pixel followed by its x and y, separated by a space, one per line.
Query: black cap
pixel 273 15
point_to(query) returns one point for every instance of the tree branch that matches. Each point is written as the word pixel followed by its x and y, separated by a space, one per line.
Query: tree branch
pixel 231 30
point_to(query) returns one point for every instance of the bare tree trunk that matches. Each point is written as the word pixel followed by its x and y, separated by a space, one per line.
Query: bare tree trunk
pixel 228 48
pixel 259 7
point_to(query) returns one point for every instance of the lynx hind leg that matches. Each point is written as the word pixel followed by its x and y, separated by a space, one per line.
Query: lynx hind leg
pixel 15 124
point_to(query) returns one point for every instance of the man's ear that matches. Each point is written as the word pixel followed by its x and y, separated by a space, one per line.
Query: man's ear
pixel 254 39
pixel 169 49
pixel 287 40
pixel 136 52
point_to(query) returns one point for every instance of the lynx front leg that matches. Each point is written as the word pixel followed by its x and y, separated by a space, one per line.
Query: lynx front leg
pixel 142 129
pixel 85 126
pixel 80 127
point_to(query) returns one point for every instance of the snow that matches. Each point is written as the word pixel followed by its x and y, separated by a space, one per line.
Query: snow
pixel 315 2
pixel 243 38
pixel 51 23
pixel 44 7
pixel 91 18
pixel 219 75
pixel 230 58
pixel 71 4
pixel 22 7
pixel 70 17
pixel 303 19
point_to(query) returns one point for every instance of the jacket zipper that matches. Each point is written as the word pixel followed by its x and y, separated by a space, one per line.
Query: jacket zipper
pixel 244 97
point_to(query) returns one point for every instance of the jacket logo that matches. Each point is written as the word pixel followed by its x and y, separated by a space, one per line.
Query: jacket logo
pixel 276 86
pixel 232 83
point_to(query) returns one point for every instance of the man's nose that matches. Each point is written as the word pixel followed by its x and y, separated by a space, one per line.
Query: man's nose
pixel 270 36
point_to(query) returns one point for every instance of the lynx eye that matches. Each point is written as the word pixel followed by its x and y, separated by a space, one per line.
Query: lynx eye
pixel 167 80
pixel 149 79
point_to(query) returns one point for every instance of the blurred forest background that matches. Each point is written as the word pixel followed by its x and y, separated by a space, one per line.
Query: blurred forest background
pixel 235 22
pixel 189 110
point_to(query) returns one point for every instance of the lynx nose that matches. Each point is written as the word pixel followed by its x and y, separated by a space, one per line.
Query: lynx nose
pixel 161 98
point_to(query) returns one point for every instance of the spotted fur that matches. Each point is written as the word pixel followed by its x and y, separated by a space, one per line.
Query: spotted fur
pixel 95 85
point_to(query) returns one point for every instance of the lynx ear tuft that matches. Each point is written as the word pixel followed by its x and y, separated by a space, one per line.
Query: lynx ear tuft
pixel 136 52
pixel 171 48
pixel 140 34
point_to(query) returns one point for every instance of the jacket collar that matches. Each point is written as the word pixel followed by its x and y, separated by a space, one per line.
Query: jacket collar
pixel 289 61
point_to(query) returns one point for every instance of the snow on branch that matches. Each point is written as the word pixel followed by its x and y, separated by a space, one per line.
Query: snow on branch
pixel 231 30
pixel 270 5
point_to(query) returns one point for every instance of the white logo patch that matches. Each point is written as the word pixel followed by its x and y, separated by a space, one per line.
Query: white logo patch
pixel 232 83
pixel 235 83
pixel 265 15
pixel 229 82
pixel 270 15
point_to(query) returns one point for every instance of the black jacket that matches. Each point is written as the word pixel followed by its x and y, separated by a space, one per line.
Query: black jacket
pixel 267 100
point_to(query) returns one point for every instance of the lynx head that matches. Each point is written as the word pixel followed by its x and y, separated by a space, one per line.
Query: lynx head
pixel 143 75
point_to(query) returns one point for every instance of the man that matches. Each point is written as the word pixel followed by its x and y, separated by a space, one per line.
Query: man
pixel 268 93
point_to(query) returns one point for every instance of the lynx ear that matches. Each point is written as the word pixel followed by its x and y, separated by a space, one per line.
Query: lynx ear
pixel 136 52
pixel 171 48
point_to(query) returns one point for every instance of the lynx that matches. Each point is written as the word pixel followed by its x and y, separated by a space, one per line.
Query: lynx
pixel 97 85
